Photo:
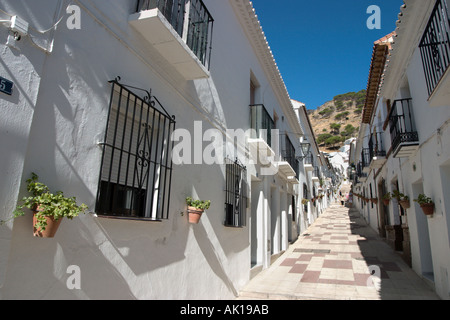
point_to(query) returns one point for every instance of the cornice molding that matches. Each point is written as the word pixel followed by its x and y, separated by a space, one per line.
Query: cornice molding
pixel 252 28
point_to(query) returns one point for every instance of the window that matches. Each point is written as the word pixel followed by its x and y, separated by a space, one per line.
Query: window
pixel 252 93
pixel 305 196
pixel 136 167
pixel 294 209
pixel 371 194
pixel 235 194
pixel 435 46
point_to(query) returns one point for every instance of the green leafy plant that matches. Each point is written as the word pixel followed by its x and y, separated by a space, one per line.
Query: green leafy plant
pixel 387 196
pixel 47 204
pixel 400 196
pixel 423 199
pixel 198 204
pixel 305 201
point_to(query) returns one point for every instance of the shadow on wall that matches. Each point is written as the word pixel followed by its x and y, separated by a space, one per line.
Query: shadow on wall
pixel 116 259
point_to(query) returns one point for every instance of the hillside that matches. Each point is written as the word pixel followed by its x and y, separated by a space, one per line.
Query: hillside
pixel 337 120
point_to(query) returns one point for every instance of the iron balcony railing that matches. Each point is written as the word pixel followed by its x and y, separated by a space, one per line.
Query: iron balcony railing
pixel 376 147
pixel 402 124
pixel 359 171
pixel 309 159
pixel 288 153
pixel 316 172
pixel 261 123
pixel 365 157
pixel 435 45
pixel 190 19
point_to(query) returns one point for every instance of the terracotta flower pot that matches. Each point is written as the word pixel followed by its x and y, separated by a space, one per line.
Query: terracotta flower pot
pixel 386 202
pixel 405 204
pixel 428 208
pixel 50 229
pixel 194 215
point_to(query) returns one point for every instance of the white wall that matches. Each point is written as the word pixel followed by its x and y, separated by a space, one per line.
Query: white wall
pixel 431 160
pixel 17 113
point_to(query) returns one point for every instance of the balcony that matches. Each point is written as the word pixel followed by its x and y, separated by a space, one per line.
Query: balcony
pixel 262 125
pixel 180 30
pixel 365 160
pixel 435 52
pixel 377 150
pixel 316 175
pixel 289 163
pixel 405 139
pixel 309 162
pixel 361 176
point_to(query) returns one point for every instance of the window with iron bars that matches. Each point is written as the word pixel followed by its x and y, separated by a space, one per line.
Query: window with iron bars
pixel 236 198
pixel 305 196
pixel 136 168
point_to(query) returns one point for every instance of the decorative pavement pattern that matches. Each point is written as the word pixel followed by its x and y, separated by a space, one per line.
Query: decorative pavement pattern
pixel 338 258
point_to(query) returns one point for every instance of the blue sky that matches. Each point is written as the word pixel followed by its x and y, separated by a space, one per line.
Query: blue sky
pixel 323 48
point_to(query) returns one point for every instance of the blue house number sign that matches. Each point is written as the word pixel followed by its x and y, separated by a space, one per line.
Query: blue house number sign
pixel 6 86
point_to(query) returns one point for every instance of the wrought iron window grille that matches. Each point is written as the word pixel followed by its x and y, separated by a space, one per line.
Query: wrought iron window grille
pixel 136 166
pixel 305 196
pixel 236 194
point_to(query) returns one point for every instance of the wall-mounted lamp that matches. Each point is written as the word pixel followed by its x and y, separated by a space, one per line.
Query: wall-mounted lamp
pixel 306 147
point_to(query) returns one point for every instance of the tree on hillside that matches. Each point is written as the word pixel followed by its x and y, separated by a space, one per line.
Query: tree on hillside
pixel 332 141
pixel 348 131
pixel 326 112
pixel 342 115
pixel 335 127
pixel 323 137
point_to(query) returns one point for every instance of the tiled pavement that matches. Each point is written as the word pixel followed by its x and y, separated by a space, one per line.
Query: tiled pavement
pixel 339 258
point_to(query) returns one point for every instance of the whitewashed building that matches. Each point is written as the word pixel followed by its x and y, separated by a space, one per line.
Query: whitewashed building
pixel 102 90
pixel 318 178
pixel 405 138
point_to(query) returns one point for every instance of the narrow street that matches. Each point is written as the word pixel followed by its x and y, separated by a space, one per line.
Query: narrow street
pixel 334 260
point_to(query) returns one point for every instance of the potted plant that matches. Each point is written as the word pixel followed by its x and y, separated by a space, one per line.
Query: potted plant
pixel 48 209
pixel 387 198
pixel 305 201
pixel 402 199
pixel 426 204
pixel 196 209
pixel 374 200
